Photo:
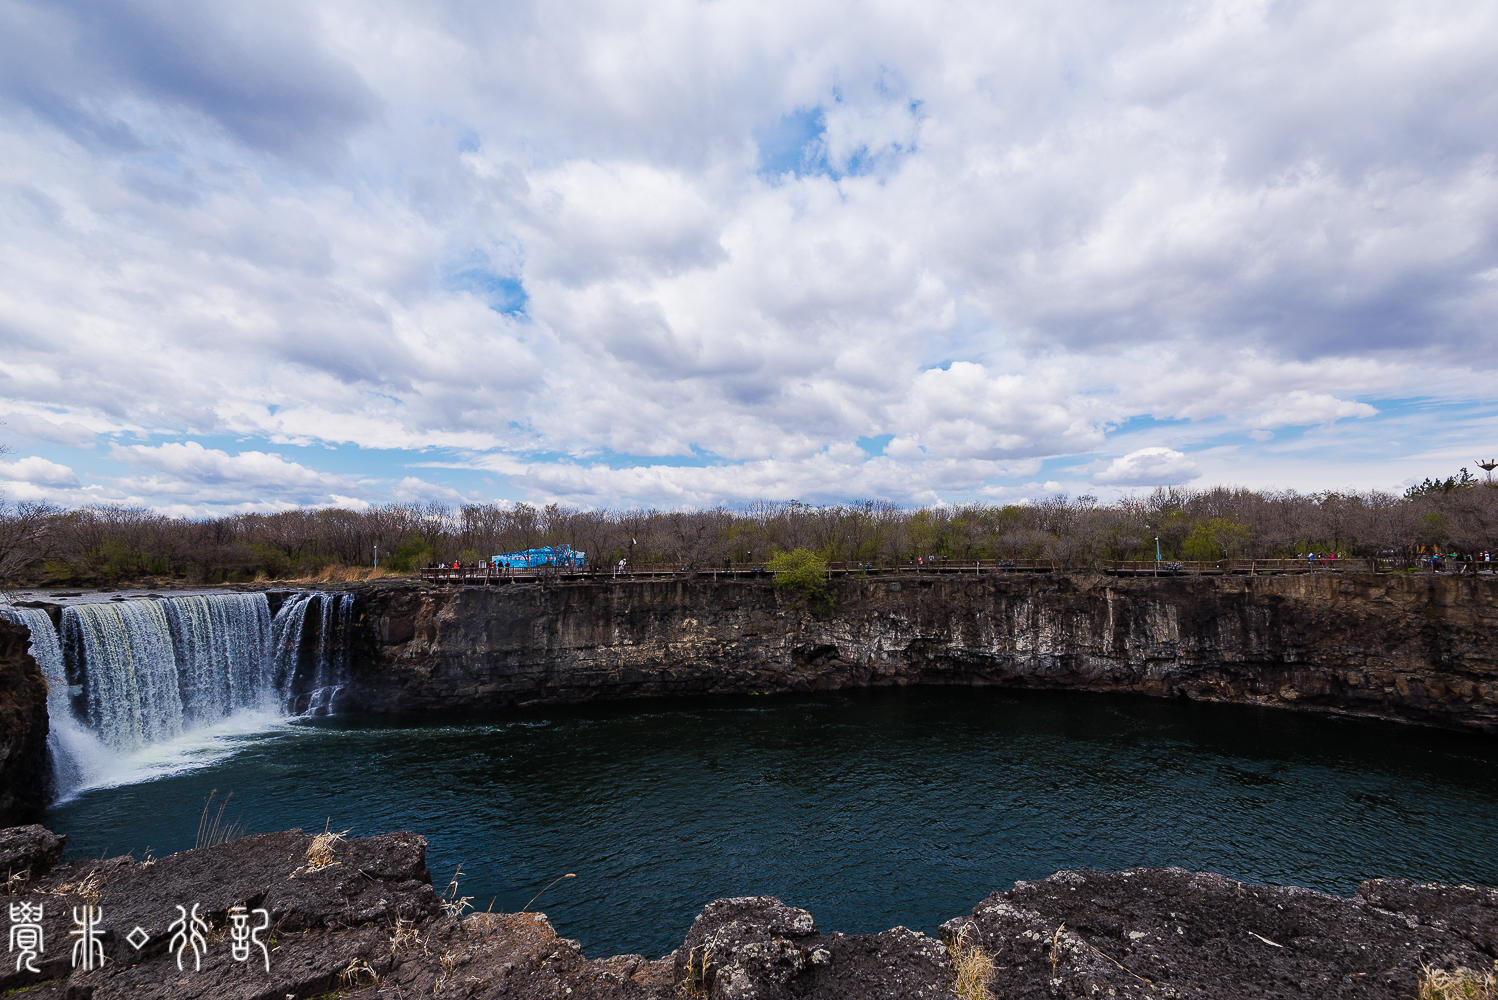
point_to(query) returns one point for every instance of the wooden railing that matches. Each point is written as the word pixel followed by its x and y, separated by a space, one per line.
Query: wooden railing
pixel 485 574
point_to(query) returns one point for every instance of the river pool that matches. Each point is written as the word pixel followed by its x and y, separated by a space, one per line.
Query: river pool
pixel 869 808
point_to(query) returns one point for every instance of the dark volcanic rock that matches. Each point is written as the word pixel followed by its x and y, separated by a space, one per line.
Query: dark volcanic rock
pixel 23 728
pixel 363 921
pixel 1155 932
pixel 28 852
pixel 323 919
pixel 1396 646
pixel 756 946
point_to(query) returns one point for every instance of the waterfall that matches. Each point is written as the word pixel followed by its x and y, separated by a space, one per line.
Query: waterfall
pixel 221 643
pixel 127 661
pixel 74 753
pixel 146 673
pixel 311 679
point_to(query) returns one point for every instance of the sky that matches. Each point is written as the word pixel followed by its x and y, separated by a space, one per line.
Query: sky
pixel 677 254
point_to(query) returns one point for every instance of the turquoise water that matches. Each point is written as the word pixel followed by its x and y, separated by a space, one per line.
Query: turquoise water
pixel 868 808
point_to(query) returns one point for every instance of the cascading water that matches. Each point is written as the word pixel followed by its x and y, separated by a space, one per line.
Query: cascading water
pixel 124 655
pixel 75 753
pixel 222 645
pixel 146 672
pixel 312 679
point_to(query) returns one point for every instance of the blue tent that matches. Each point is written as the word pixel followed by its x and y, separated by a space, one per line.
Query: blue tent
pixel 561 555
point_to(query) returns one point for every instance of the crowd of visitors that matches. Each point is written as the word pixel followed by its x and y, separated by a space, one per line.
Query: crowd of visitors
pixel 1459 562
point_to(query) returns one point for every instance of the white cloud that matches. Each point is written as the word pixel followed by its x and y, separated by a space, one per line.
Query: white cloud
pixel 38 472
pixel 1301 407
pixel 499 233
pixel 188 472
pixel 1149 467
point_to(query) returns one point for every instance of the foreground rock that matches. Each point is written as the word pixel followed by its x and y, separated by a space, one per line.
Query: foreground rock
pixel 1407 647
pixel 361 918
pixel 23 728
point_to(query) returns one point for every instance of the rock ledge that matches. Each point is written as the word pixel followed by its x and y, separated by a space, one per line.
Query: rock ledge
pixel 361 919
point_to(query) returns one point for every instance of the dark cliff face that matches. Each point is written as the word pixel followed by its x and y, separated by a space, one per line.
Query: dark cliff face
pixel 1404 647
pixel 23 728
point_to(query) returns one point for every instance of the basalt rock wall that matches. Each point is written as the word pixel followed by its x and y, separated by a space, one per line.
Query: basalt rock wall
pixel 23 728
pixel 1413 648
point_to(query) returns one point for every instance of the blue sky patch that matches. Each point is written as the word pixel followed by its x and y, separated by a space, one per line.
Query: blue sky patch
pixel 503 293
pixel 794 145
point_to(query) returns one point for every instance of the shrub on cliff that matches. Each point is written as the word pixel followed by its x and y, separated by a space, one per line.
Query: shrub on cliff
pixel 804 573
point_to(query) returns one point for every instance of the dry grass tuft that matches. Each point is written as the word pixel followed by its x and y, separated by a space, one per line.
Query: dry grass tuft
pixel 973 966
pixel 403 936
pixel 1463 984
pixel 451 901
pixel 700 965
pixel 15 882
pixel 358 972
pixel 322 852
pixel 449 964
pixel 89 887
pixel 212 830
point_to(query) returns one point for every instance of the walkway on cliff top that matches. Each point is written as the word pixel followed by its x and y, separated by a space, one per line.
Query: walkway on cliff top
pixel 485 573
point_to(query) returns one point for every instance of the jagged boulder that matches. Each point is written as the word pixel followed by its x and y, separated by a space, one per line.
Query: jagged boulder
pixel 28 852
pixel 758 948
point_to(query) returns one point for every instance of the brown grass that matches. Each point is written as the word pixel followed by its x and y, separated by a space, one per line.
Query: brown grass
pixel 346 574
pixel 322 852
pixel 449 965
pixel 451 902
pixel 212 830
pixel 357 973
pixel 89 887
pixel 973 967
pixel 404 937
pixel 1463 984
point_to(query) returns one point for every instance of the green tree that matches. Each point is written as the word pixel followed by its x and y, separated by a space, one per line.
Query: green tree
pixel 1217 538
pixel 803 573
pixel 1442 486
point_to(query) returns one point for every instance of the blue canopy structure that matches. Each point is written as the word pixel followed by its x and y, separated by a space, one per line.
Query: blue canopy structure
pixel 560 555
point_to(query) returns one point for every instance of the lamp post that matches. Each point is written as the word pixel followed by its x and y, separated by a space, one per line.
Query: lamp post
pixel 377 555
pixel 1157 555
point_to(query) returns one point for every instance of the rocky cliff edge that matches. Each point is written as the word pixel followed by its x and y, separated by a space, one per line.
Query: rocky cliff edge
pixel 360 918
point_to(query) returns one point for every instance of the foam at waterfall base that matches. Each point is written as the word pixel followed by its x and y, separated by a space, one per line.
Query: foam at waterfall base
pixel 200 747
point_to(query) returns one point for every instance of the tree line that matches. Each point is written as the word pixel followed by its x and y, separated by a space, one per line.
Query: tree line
pixel 41 544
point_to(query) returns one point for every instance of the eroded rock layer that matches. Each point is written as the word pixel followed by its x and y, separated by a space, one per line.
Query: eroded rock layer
pixel 1403 647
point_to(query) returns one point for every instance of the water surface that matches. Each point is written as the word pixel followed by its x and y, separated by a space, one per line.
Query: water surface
pixel 870 809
